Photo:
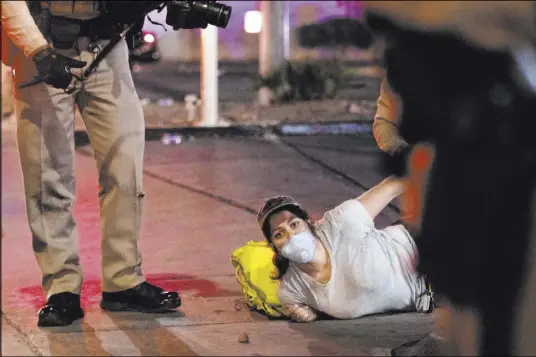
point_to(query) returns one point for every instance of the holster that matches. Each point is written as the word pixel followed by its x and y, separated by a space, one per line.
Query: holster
pixel 40 11
pixel 64 31
pixel 124 13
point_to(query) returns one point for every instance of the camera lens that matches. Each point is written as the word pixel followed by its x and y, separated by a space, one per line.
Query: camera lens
pixel 216 14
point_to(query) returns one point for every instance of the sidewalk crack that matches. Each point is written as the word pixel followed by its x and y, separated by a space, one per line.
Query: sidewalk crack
pixel 24 337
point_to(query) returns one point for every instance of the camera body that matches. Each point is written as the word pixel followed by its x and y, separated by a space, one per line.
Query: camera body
pixel 180 14
pixel 196 14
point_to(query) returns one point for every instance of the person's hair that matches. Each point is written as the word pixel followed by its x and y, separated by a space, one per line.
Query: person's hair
pixel 281 263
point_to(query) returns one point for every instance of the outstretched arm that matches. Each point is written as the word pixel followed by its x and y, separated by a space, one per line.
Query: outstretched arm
pixel 379 196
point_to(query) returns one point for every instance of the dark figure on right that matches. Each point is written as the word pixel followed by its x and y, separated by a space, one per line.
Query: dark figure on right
pixel 465 72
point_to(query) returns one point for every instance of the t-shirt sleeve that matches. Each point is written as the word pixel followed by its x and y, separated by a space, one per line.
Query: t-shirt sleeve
pixel 289 294
pixel 349 218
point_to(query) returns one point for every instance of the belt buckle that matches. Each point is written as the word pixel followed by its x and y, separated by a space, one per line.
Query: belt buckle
pixel 95 48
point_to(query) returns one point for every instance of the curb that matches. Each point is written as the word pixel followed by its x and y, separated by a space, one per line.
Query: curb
pixel 284 129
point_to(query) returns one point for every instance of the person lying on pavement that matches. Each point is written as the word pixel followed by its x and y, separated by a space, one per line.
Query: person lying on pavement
pixel 342 265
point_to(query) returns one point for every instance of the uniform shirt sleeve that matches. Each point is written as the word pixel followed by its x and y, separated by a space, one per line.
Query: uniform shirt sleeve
pixel 20 27
pixel 386 120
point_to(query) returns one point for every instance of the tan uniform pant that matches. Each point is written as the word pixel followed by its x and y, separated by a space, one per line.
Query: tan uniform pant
pixel 113 116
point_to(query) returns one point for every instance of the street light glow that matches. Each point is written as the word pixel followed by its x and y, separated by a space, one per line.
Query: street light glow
pixel 252 21
pixel 149 38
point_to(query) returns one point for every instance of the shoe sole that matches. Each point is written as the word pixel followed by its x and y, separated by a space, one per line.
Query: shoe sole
pixel 55 321
pixel 122 306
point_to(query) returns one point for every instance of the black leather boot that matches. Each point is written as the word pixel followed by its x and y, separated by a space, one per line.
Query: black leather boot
pixel 61 310
pixel 144 297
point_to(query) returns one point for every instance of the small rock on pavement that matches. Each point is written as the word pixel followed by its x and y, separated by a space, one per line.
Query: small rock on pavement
pixel 243 337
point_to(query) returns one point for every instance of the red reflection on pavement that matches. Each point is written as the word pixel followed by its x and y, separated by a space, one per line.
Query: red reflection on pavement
pixel 91 290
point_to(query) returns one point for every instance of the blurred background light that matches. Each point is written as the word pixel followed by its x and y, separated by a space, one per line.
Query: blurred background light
pixel 252 21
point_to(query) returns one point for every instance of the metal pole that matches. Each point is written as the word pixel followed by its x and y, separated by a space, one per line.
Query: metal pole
pixel 271 43
pixel 286 29
pixel 209 76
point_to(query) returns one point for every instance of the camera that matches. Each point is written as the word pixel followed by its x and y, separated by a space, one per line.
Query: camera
pixel 180 14
pixel 197 14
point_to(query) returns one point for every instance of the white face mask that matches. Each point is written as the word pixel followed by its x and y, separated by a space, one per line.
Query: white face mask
pixel 300 248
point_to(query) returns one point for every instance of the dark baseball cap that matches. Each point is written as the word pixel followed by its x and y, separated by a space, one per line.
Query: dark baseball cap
pixel 274 204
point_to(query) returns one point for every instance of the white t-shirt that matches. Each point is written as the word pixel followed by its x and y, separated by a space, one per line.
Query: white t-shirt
pixel 372 271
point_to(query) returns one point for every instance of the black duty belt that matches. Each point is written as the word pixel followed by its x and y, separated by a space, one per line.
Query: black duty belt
pixel 99 28
pixel 64 30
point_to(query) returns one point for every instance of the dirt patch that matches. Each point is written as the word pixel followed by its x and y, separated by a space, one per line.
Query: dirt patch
pixel 174 114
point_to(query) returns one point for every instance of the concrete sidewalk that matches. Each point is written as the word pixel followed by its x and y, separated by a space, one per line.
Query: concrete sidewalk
pixel 200 204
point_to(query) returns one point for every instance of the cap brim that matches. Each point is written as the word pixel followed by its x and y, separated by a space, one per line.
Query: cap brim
pixel 268 214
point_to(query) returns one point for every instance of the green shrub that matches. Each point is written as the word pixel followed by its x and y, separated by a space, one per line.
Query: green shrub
pixel 303 81
pixel 314 81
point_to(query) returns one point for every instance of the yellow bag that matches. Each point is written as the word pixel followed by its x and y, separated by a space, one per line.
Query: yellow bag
pixel 254 271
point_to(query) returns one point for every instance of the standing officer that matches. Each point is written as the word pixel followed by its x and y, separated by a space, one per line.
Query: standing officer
pixel 110 108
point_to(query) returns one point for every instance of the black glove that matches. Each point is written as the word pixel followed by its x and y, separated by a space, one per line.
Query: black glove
pixel 396 164
pixel 54 68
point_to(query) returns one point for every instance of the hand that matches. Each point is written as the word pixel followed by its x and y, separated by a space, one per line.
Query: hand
pixel 55 68
pixel 301 313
